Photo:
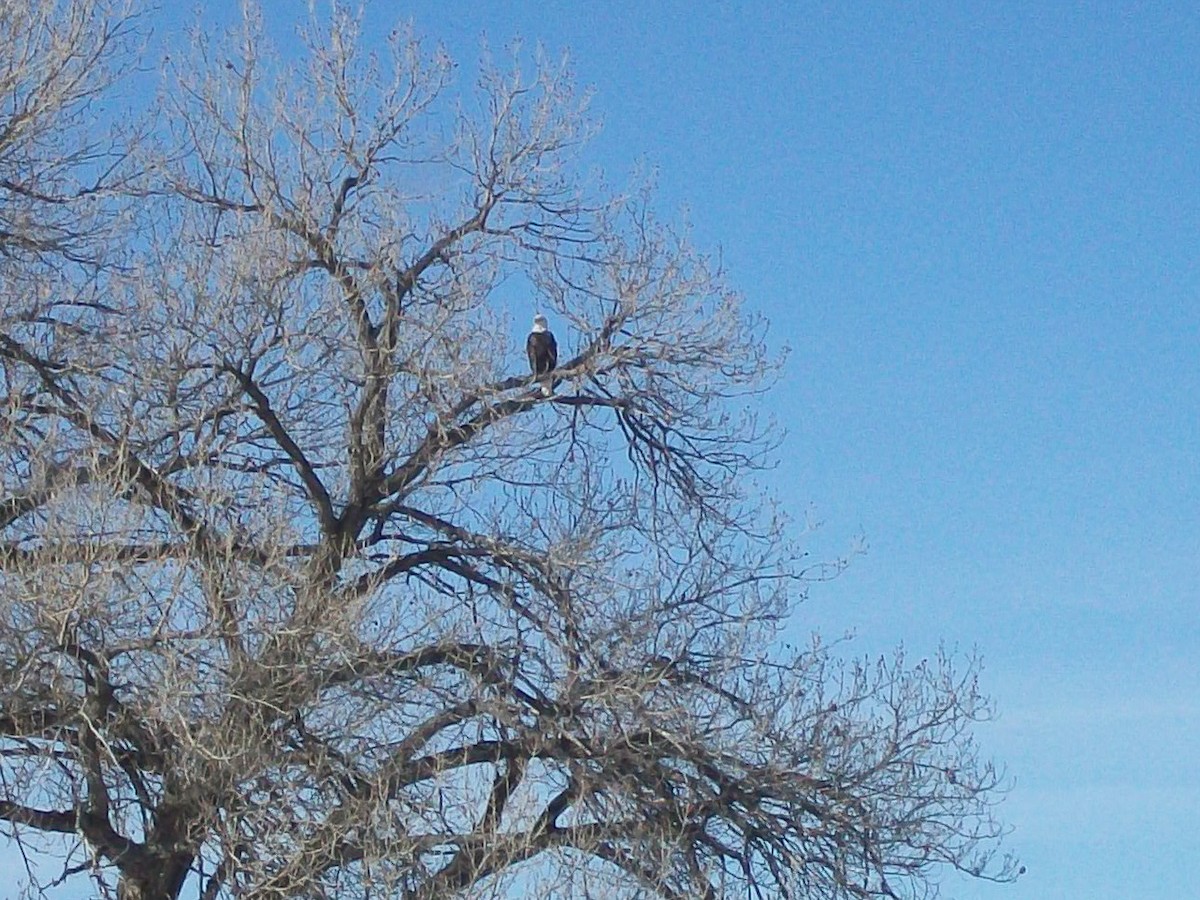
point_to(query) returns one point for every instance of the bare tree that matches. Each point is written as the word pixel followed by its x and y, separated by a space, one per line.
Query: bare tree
pixel 309 590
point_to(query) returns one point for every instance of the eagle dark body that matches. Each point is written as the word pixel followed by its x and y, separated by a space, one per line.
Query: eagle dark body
pixel 543 352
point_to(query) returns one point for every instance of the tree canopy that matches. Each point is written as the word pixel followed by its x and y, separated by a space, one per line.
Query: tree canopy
pixel 308 589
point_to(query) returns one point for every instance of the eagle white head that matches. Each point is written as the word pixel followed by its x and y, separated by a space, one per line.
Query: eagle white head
pixel 540 323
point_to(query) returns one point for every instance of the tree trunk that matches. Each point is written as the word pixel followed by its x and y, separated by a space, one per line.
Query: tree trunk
pixel 161 881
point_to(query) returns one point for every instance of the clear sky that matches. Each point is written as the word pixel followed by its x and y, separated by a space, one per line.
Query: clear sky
pixel 977 226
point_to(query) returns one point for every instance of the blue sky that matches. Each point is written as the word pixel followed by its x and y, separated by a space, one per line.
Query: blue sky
pixel 977 226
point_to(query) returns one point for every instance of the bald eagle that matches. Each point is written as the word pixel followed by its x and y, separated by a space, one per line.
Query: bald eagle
pixel 542 350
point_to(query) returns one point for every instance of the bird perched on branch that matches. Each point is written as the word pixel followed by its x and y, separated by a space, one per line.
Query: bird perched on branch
pixel 542 350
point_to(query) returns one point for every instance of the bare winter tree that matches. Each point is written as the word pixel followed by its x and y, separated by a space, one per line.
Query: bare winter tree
pixel 307 589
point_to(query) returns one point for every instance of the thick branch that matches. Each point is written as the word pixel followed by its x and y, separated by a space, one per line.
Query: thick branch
pixel 60 821
pixel 317 492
